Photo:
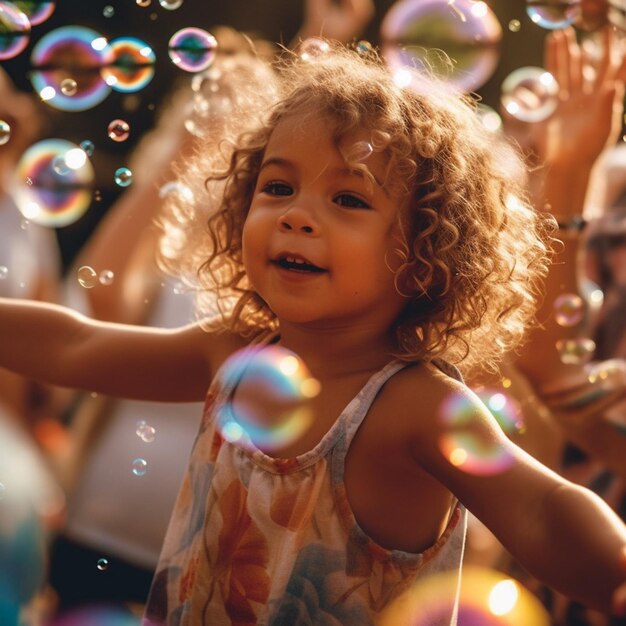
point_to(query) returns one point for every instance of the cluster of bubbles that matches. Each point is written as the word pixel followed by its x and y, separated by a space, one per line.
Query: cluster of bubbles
pixel 267 406
pixel 486 597
pixel 469 449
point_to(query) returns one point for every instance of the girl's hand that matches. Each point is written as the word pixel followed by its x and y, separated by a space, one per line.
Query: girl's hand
pixel 588 115
pixel 341 20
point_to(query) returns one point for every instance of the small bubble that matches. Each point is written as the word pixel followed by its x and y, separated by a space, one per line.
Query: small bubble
pixel 102 564
pixel 5 132
pixel 312 48
pixel 575 351
pixel 145 432
pixel 171 5
pixel 69 87
pixel 143 3
pixel 153 16
pixel 106 277
pixel 108 11
pixel 24 224
pixel 88 147
pixel 569 309
pixel 123 177
pixel 4 272
pixel 514 26
pixel 118 130
pixel 87 276
pixel 139 467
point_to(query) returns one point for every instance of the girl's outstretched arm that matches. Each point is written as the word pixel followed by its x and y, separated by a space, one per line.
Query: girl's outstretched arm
pixel 56 345
pixel 563 534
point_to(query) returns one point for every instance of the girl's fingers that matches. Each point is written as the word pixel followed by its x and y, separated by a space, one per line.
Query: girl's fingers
pixel 572 61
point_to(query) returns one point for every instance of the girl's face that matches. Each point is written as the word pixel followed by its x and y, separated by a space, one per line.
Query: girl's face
pixel 319 238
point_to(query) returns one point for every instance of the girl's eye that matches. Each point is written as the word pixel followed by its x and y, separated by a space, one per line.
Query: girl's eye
pixel 350 201
pixel 277 189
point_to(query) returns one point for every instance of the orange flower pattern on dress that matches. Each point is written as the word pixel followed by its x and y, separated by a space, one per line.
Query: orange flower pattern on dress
pixel 260 541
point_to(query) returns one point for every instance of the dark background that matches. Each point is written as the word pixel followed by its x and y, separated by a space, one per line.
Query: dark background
pixel 276 20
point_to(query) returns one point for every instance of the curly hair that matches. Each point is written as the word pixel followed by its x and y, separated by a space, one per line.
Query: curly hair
pixel 474 251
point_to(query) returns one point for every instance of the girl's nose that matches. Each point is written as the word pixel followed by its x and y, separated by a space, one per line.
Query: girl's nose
pixel 298 220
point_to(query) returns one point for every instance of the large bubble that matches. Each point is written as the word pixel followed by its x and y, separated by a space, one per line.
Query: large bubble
pixel 53 183
pixel 268 406
pixel 487 598
pixel 471 451
pixel 428 33
pixel 14 30
pixel 132 67
pixel 71 53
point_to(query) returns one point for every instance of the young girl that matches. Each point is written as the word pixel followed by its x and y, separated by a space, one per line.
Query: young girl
pixel 374 231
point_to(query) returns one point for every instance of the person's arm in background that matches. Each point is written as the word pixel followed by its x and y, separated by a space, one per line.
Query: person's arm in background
pixel 568 145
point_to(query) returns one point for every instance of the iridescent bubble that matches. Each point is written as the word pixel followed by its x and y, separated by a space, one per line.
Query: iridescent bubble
pixel 140 467
pixel 14 30
pixel 132 67
pixel 123 177
pixel 37 11
pixel 88 146
pixel 4 272
pixel 529 94
pixel 359 151
pixel 102 564
pixel 569 309
pixel 514 26
pixel 143 3
pixel 145 432
pixel 171 5
pixel 178 188
pixel 5 132
pixel 609 375
pixel 71 52
pixel 575 351
pixel 87 277
pixel 108 11
pixel 489 118
pixel 192 49
pixel 269 406
pixel 504 407
pixel 106 277
pixel 312 48
pixel 53 183
pixel 429 33
pixel 69 87
pixel 553 14
pixel 486 598
pixel 118 130
pixel 462 446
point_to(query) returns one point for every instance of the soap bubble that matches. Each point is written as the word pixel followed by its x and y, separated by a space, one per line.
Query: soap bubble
pixel 171 5
pixel 487 598
pixel 132 66
pixel 268 406
pixel 569 309
pixel 462 446
pixel 5 132
pixel 118 130
pixel 575 351
pixel 37 11
pixel 140 467
pixel 530 94
pixel 429 33
pixel 123 177
pixel 76 53
pixel 553 14
pixel 192 49
pixel 53 181
pixel 14 30
pixel 87 277
pixel 312 48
